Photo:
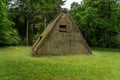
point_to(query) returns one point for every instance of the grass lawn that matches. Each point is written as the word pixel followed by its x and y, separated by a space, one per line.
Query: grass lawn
pixel 16 63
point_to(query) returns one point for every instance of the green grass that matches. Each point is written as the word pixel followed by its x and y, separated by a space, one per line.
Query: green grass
pixel 16 63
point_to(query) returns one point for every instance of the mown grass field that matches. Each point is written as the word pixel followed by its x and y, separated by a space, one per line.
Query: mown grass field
pixel 16 63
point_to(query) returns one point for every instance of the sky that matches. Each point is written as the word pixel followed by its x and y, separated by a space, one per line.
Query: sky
pixel 69 2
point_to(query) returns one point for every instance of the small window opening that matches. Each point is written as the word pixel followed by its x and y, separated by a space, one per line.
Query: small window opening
pixel 63 28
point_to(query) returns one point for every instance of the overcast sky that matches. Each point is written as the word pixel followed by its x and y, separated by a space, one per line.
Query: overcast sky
pixel 69 2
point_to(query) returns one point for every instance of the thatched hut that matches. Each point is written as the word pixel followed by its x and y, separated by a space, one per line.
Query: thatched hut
pixel 61 36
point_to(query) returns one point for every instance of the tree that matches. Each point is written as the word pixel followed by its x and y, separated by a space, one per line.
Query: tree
pixel 8 35
pixel 98 21
pixel 32 16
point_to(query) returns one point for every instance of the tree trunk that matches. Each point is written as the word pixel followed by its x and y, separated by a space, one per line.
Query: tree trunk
pixel 109 11
pixel 27 41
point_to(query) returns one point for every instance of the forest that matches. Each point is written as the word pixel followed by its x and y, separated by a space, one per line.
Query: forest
pixel 22 21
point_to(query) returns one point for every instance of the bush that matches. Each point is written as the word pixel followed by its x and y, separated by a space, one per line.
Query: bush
pixel 9 37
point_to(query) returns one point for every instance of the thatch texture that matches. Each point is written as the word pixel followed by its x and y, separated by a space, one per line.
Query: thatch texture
pixel 62 36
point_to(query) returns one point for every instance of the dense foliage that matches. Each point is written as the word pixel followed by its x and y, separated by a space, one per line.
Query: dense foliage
pixel 21 21
pixel 99 21
pixel 32 16
pixel 8 35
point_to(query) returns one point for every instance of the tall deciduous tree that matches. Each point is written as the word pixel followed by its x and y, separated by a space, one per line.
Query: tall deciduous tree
pixel 98 21
pixel 32 16
pixel 8 35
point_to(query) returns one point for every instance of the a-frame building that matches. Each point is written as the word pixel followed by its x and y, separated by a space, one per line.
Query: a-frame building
pixel 61 36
